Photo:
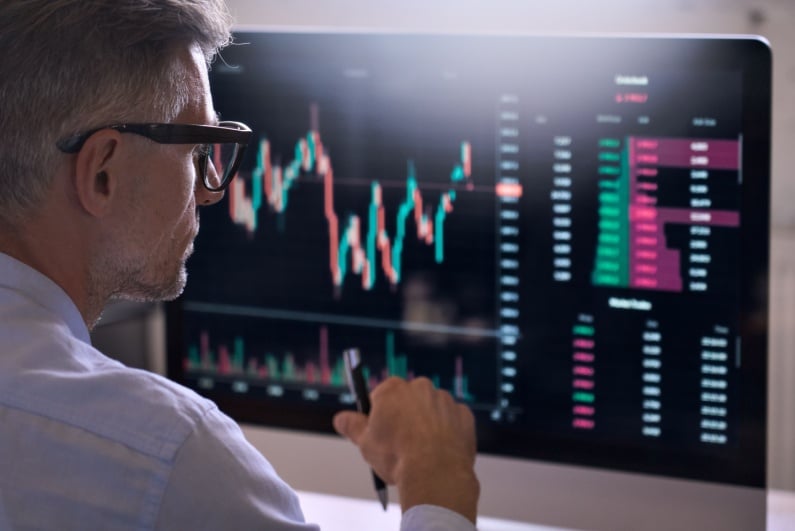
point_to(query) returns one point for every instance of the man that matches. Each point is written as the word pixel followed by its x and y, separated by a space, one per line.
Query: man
pixel 106 115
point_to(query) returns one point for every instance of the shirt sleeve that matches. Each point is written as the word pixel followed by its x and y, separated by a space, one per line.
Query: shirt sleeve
pixel 433 518
pixel 219 481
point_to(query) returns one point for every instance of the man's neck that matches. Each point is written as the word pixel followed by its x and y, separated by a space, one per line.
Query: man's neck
pixel 52 247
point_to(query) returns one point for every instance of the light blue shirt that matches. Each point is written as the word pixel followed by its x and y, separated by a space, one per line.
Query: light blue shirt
pixel 88 443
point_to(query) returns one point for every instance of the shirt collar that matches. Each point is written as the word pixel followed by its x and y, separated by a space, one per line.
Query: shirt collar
pixel 23 279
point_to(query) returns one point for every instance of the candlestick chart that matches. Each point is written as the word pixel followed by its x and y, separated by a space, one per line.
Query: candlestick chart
pixel 350 248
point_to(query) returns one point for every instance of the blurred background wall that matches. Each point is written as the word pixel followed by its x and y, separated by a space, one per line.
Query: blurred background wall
pixel 134 332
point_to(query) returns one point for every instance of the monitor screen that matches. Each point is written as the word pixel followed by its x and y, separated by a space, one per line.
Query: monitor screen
pixel 570 234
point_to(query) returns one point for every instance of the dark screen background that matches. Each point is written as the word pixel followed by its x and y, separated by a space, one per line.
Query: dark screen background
pixel 502 304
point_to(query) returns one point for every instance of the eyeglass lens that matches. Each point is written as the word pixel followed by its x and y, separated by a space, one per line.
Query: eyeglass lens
pixel 223 159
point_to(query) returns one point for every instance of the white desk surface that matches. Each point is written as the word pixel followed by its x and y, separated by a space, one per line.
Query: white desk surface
pixel 338 513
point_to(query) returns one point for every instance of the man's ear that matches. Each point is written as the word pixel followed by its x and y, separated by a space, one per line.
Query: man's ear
pixel 96 182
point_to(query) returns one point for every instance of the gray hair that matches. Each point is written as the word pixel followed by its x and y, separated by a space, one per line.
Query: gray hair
pixel 70 65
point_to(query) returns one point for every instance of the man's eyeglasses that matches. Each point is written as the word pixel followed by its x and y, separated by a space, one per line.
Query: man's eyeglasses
pixel 224 144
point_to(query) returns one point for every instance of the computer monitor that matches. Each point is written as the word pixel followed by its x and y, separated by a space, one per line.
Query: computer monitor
pixel 568 233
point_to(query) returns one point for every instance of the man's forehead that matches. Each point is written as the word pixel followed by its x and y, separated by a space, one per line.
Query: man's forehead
pixel 199 108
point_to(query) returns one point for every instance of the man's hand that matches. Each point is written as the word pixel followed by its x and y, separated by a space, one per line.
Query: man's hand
pixel 418 438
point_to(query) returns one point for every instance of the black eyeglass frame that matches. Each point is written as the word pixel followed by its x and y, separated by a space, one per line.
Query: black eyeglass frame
pixel 226 132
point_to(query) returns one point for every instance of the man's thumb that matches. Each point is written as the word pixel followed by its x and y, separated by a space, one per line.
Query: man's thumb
pixel 350 425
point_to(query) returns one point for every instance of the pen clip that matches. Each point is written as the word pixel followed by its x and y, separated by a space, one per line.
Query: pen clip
pixel 354 372
pixel 352 361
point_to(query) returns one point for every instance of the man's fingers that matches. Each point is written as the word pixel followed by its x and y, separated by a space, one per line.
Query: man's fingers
pixel 350 425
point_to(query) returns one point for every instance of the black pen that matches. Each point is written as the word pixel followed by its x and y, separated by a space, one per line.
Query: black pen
pixel 358 386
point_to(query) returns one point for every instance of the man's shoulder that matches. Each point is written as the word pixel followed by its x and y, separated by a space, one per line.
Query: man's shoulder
pixel 68 381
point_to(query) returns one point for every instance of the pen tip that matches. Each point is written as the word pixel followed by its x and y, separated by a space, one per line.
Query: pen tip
pixel 382 495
